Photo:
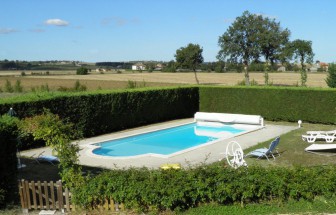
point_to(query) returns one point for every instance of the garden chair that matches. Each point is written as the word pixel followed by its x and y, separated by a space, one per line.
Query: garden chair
pixel 266 152
pixel 46 158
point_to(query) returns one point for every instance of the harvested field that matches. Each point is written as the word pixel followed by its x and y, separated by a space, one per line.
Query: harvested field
pixel 114 80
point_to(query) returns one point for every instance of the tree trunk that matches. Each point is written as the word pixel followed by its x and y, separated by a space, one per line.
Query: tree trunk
pixel 196 77
pixel 247 75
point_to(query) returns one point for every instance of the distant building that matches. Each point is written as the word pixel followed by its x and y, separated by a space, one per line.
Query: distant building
pixel 138 66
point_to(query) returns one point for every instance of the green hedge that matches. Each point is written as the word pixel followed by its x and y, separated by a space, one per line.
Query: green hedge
pixel 273 103
pixel 101 112
pixel 8 160
pixel 145 189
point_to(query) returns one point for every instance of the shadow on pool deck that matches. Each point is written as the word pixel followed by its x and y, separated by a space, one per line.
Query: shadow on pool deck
pixel 206 154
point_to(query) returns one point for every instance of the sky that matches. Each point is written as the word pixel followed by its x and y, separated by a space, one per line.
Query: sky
pixel 136 30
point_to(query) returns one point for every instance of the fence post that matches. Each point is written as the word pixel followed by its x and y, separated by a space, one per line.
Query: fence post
pixel 23 197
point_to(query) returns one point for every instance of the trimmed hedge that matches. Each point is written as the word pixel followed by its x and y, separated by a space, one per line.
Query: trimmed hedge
pixel 273 103
pixel 146 190
pixel 96 113
pixel 8 160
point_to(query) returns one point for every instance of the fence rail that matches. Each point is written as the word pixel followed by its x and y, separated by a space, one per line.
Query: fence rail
pixel 53 196
pixel 44 196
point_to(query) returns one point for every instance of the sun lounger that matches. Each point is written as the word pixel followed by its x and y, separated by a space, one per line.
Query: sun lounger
pixel 266 152
pixel 312 137
pixel 321 149
pixel 46 158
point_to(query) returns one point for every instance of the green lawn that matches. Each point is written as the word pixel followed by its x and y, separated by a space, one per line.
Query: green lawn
pixel 291 149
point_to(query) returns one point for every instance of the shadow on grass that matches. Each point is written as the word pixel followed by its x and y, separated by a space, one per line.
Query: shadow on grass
pixel 45 171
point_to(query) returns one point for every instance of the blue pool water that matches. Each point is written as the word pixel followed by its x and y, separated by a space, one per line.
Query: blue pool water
pixel 164 142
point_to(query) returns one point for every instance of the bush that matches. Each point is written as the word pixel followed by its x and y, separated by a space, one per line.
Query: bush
pixel 331 79
pixel 273 103
pixel 145 189
pixel 8 160
pixel 102 112
pixel 82 71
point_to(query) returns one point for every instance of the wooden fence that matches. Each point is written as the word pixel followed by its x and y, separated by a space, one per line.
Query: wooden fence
pixel 53 196
pixel 44 196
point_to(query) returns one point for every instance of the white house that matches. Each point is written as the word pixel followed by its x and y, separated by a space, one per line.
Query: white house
pixel 138 66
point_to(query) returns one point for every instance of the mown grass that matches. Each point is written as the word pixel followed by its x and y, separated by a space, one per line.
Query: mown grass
pixel 291 149
pixel 320 205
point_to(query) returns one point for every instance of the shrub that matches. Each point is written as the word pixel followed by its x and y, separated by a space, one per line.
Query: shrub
pixel 8 87
pixel 18 88
pixel 331 79
pixel 102 112
pixel 273 103
pixel 8 160
pixel 82 71
pixel 145 190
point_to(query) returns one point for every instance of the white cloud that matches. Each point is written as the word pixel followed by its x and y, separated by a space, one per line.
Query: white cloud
pixel 7 30
pixel 56 22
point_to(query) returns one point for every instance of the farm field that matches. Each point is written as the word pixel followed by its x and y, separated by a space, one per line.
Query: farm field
pixel 113 80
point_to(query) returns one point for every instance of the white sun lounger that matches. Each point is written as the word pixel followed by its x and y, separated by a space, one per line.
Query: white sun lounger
pixel 332 132
pixel 318 148
pixel 313 137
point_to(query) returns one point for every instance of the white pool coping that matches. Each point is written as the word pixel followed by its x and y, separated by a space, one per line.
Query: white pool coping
pixel 220 135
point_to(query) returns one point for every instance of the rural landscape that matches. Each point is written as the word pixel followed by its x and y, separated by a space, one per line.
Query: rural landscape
pixel 245 126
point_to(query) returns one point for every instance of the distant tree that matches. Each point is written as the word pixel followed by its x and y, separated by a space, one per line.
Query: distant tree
pixel 220 66
pixel 272 39
pixel 250 37
pixel 82 71
pixel 190 57
pixel 170 67
pixel 331 78
pixel 240 42
pixel 302 50
pixel 150 66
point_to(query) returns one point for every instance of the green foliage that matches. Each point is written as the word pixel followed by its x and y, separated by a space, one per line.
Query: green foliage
pixel 102 112
pixel 58 135
pixel 251 36
pixel 331 78
pixel 145 190
pixel 8 160
pixel 18 88
pixel 273 103
pixel 82 71
pixel 42 88
pixel 133 84
pixel 302 50
pixel 170 67
pixel 8 87
pixel 189 57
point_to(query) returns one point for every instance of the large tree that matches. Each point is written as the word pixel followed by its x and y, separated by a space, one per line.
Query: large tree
pixel 189 57
pixel 302 50
pixel 272 39
pixel 249 37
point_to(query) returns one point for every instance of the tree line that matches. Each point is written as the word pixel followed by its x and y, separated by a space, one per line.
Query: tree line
pixel 250 39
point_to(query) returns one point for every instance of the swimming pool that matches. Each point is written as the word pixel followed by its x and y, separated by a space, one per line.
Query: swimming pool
pixel 166 142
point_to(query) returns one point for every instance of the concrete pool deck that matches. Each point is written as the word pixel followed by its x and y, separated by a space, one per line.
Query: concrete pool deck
pixel 206 154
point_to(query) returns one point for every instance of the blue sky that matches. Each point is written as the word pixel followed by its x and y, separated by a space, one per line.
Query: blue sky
pixel 128 30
